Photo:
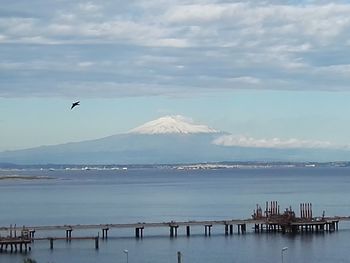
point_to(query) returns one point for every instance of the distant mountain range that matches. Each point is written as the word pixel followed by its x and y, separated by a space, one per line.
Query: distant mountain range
pixel 167 140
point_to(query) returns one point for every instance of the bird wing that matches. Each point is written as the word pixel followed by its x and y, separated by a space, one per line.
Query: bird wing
pixel 75 104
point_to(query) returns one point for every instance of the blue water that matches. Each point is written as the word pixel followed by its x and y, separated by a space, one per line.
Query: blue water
pixel 158 195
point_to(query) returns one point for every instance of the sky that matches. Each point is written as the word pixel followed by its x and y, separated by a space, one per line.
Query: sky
pixel 271 73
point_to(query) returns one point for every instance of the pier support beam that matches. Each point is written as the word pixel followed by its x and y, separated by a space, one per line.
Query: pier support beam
pixel 283 228
pixel 69 234
pixel 51 243
pixel 31 234
pixel 207 230
pixel 188 233
pixel 96 243
pixel 179 257
pixel 322 227
pixel 227 226
pixel 139 232
pixel 242 228
pixel 105 233
pixel 173 230
pixel 256 228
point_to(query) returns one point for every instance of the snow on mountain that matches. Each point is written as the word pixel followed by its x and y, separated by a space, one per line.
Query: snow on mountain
pixel 172 124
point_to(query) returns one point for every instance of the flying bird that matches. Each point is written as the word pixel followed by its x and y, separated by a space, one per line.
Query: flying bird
pixel 74 104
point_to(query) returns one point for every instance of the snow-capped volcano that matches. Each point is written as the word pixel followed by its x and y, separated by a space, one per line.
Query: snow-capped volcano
pixel 172 124
pixel 170 139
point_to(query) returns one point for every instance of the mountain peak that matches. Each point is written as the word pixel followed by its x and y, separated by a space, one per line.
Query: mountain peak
pixel 172 124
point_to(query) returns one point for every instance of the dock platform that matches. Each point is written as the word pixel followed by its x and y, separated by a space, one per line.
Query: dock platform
pixel 14 245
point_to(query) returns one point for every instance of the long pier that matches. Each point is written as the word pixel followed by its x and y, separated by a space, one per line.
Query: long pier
pixel 174 225
pixel 167 224
pixel 272 221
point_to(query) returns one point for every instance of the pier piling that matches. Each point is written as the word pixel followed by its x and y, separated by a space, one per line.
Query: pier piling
pixel 105 233
pixel 241 228
pixel 32 234
pixel 207 230
pixel 173 230
pixel 69 234
pixel 139 232
pixel 96 242
pixel 179 257
pixel 188 231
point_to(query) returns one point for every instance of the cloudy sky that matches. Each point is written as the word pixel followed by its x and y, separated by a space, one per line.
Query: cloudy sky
pixel 273 73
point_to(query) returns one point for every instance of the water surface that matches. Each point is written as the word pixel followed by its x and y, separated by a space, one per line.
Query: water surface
pixel 158 195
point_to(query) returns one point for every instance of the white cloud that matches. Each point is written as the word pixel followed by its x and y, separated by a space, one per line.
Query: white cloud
pixel 245 141
pixel 195 13
pixel 60 29
pixel 200 45
pixel 85 64
pixel 286 25
pixel 89 7
pixel 245 79
pixel 170 42
pixel 343 69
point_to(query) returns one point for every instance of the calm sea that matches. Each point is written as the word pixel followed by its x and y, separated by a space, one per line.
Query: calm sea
pixel 159 195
